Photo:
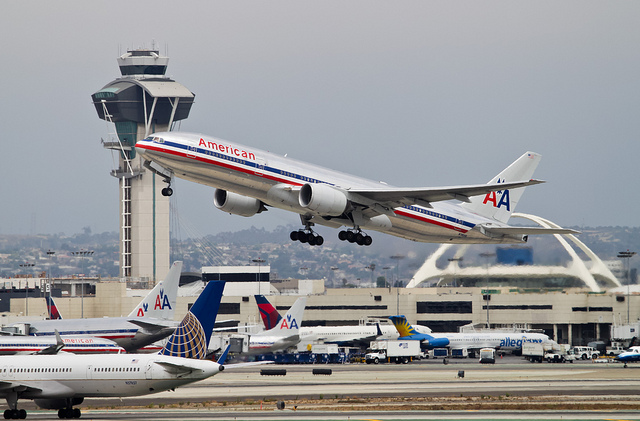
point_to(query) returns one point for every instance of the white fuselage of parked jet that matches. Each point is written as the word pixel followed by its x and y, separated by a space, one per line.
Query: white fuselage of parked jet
pixel 247 179
pixel 507 341
pixel 68 376
pixel 346 334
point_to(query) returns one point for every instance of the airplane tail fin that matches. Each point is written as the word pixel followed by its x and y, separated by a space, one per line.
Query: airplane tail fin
pixel 160 303
pixel 54 314
pixel 499 205
pixel 403 327
pixel 191 338
pixel 269 314
pixel 291 322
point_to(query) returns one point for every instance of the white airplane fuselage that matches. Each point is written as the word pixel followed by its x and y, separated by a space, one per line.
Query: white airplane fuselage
pixel 67 375
pixel 343 334
pixel 508 341
pixel 18 344
pixel 276 181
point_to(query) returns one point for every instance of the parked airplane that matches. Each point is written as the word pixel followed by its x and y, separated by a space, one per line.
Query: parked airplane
pixel 341 335
pixel 150 321
pixel 285 334
pixel 631 355
pixel 20 344
pixel 247 180
pixel 52 309
pixel 64 380
pixel 506 341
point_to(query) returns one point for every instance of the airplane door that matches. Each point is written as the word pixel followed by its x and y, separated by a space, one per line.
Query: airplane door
pixel 260 164
pixel 148 371
pixel 89 372
pixel 191 151
pixel 4 371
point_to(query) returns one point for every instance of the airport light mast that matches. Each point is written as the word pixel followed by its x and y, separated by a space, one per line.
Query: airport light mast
pixel 141 102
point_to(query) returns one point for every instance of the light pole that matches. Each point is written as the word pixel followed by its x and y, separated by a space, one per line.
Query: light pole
pixel 82 254
pixel 259 261
pixel 372 268
pixel 26 288
pixel 397 258
pixel 626 255
pixel 487 256
pixel 50 255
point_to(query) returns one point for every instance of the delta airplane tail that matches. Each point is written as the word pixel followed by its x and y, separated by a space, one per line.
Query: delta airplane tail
pixel 191 338
pixel 269 314
pixel 499 205
pixel 160 303
pixel 54 314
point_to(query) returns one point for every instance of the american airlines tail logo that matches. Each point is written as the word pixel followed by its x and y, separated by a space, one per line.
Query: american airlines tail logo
pixel 492 197
pixel 289 323
pixel 162 302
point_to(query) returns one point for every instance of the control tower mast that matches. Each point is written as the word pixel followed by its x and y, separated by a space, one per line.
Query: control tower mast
pixel 141 102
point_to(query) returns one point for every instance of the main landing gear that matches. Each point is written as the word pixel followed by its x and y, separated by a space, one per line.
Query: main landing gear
pixel 306 235
pixel 69 413
pixel 15 414
pixel 356 236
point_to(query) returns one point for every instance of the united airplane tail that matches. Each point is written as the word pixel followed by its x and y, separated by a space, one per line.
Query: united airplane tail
pixel 160 303
pixel 269 314
pixel 499 205
pixel 191 338
pixel 54 314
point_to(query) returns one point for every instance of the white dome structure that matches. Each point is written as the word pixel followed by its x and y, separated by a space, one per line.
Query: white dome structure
pixel 589 272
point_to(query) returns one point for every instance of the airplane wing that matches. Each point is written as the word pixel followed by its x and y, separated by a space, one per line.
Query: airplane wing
pixel 407 196
pixel 53 349
pixel 176 368
pixel 152 327
pixel 247 364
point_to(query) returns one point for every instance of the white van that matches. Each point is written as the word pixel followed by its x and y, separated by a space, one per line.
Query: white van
pixel 585 352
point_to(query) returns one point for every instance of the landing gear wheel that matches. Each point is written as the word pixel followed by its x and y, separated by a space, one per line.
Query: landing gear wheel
pixel 319 240
pixel 293 236
pixel 7 413
pixel 342 235
pixel 368 240
pixel 22 414
pixel 77 413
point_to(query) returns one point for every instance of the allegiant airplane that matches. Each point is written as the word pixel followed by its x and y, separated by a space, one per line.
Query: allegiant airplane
pixel 249 180
pixel 505 341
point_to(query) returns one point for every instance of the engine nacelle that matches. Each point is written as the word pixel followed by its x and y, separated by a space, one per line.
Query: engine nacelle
pixel 236 203
pixel 56 403
pixel 323 199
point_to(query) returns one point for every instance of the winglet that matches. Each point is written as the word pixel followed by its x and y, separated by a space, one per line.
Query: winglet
pixel 53 349
pixel 223 356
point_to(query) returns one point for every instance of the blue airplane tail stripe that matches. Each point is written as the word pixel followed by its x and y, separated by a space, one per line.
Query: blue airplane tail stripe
pixel 191 338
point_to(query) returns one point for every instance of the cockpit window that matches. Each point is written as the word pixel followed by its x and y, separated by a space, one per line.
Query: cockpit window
pixel 155 139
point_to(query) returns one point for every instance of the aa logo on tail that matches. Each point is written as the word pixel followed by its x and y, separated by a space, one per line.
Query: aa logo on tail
pixel 162 302
pixel 492 197
pixel 289 323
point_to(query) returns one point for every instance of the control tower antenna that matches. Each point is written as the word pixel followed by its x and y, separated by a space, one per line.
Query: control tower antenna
pixel 141 102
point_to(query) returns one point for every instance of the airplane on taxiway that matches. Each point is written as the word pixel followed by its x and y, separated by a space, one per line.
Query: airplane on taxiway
pixel 341 335
pixel 151 320
pixel 76 344
pixel 631 355
pixel 504 341
pixel 62 381
pixel 248 180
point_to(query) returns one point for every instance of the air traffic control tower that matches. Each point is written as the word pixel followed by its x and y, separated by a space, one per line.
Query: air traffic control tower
pixel 141 102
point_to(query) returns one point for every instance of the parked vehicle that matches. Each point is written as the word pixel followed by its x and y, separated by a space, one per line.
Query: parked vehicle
pixel 534 352
pixel 616 348
pixel 459 353
pixel 487 356
pixel 398 351
pixel 438 353
pixel 585 352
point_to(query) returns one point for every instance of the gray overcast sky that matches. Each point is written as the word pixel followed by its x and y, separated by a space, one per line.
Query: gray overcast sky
pixel 415 93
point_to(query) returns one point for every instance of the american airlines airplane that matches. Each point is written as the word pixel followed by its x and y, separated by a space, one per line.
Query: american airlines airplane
pixel 62 381
pixel 20 344
pixel 505 341
pixel 341 335
pixel 285 334
pixel 248 180
pixel 150 321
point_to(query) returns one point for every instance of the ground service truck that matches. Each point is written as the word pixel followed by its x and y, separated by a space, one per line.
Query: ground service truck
pixel 398 351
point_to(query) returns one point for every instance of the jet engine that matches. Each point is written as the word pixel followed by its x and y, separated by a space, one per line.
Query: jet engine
pixel 236 204
pixel 323 199
pixel 56 403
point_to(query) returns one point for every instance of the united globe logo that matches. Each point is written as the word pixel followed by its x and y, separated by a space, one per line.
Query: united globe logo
pixel 188 341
